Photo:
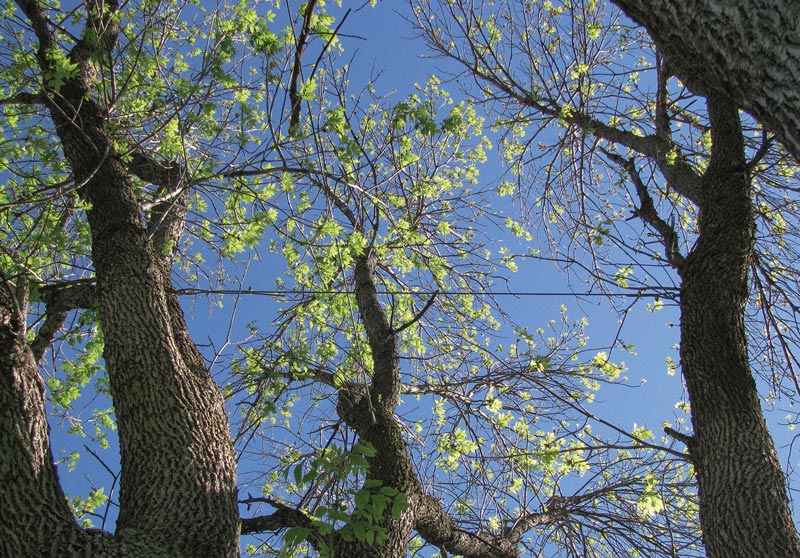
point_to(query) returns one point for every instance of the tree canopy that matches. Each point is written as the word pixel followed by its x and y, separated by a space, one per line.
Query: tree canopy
pixel 365 388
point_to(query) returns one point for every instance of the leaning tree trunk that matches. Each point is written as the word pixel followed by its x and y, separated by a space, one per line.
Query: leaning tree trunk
pixel 744 509
pixel 177 479
pixel 369 410
pixel 747 51
pixel 30 495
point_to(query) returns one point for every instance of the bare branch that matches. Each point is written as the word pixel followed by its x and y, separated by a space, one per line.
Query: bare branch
pixel 60 299
pixel 439 529
pixel 164 175
pixel 416 318
pixel 167 211
pixel 284 518
pixel 680 436
pixel 69 295
pixel 435 389
pixel 767 141
pixel 680 174
pixel 647 211
pixel 662 96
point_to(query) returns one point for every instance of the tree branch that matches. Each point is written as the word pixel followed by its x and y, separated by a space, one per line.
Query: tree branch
pixel 555 508
pixel 767 141
pixel 681 176
pixel 294 79
pixel 382 340
pixel 416 318
pixel 437 528
pixel 69 295
pixel 647 211
pixel 25 98
pixel 283 518
pixel 33 11
pixel 433 389
pixel 166 176
pixel 744 51
pixel 168 211
pixel 661 115
pixel 60 299
pixel 681 437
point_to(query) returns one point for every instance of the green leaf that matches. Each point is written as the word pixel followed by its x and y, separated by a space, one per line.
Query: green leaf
pixel 362 497
pixel 399 505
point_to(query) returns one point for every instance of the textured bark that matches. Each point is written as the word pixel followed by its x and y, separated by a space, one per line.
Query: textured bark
pixel 178 480
pixel 370 413
pixel 30 492
pixel 744 508
pixel 178 483
pixel 369 410
pixel 35 519
pixel 439 529
pixel 747 51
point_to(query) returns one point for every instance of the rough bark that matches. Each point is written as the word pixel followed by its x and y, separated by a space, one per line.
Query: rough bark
pixel 30 492
pixel 178 480
pixel 370 413
pixel 35 519
pixel 178 483
pixel 746 51
pixel 369 410
pixel 744 508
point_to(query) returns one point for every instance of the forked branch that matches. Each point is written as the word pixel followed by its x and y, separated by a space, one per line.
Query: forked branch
pixel 647 210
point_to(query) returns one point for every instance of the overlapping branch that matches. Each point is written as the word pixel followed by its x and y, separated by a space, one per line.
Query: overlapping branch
pixel 647 210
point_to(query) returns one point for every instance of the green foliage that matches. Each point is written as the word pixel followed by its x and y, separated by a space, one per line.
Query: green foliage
pixel 62 69
pixel 82 369
pixel 204 88
pixel 83 508
pixel 361 509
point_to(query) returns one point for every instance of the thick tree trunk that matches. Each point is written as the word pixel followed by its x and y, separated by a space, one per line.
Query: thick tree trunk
pixel 30 494
pixel 744 509
pixel 178 482
pixel 747 51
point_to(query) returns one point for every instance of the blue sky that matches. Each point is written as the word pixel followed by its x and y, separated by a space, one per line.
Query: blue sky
pixel 382 42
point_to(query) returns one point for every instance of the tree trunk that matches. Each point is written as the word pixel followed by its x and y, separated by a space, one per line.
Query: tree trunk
pixel 369 411
pixel 747 51
pixel 744 508
pixel 30 495
pixel 177 480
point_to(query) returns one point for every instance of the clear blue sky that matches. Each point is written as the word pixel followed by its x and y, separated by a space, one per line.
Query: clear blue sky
pixel 382 42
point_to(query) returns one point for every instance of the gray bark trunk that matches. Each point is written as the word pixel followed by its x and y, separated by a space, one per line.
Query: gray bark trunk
pixel 178 482
pixel 744 508
pixel 29 490
pixel 747 51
